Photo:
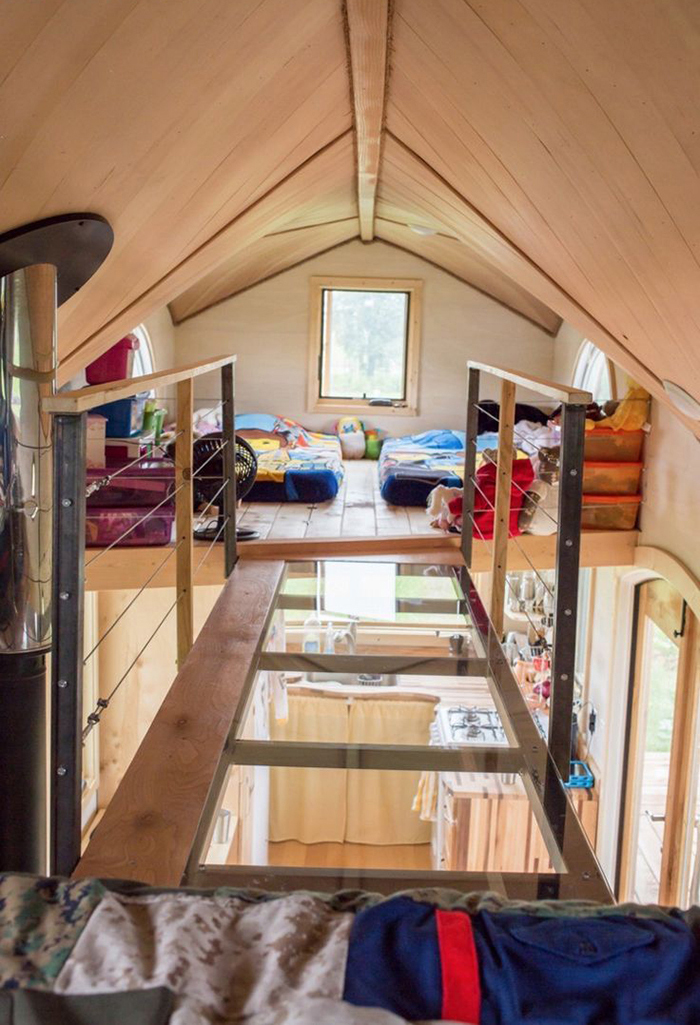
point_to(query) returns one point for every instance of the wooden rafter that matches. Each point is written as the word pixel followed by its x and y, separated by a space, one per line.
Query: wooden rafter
pixel 368 23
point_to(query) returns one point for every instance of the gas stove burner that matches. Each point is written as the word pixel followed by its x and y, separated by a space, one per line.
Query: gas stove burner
pixel 464 724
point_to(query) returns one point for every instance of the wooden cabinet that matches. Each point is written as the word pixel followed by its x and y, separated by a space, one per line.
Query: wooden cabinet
pixel 485 824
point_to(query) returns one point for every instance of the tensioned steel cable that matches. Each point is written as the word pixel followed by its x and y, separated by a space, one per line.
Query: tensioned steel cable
pixel 512 537
pixel 108 478
pixel 164 501
pixel 102 703
pixel 538 630
pixel 138 594
pixel 522 491
pixel 216 538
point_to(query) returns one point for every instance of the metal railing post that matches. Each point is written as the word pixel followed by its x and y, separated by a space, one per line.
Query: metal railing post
pixel 229 456
pixel 472 429
pixel 67 649
pixel 573 426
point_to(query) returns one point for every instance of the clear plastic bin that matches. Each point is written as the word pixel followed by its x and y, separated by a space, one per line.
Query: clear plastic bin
pixel 611 478
pixel 610 512
pixel 143 485
pixel 104 526
pixel 605 445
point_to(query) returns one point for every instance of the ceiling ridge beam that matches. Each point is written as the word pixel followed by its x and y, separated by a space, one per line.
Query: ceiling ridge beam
pixel 539 283
pixel 368 31
pixel 196 265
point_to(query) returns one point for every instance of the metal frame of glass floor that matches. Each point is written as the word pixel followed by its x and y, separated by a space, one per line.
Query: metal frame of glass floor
pixel 444 600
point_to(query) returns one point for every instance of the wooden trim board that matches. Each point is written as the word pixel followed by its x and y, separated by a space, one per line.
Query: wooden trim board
pixel 123 568
pixel 150 825
pixel 559 392
pixel 97 394
pixel 368 23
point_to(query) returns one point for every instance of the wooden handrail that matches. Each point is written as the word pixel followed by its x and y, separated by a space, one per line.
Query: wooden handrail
pixel 559 392
pixel 150 825
pixel 97 394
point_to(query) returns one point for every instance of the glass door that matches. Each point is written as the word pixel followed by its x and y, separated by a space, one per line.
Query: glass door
pixel 656 841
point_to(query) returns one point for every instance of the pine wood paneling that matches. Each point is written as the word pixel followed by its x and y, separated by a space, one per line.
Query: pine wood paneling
pixel 270 255
pixel 168 119
pixel 565 124
pixel 455 257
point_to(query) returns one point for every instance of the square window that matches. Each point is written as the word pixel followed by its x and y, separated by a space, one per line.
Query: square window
pixel 364 342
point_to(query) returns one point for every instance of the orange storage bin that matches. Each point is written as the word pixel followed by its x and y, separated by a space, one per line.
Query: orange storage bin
pixel 610 512
pixel 611 478
pixel 605 445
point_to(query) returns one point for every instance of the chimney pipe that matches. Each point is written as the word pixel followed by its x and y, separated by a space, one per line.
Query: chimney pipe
pixel 27 372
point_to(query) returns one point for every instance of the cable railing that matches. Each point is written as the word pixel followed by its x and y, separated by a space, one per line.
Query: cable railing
pixel 567 521
pixel 170 505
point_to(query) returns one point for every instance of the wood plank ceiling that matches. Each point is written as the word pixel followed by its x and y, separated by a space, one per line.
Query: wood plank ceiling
pixel 552 145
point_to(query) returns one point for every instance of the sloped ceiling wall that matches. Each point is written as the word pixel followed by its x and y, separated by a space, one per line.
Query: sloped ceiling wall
pixel 553 145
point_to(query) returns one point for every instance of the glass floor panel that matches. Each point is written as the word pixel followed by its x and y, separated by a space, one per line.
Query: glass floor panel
pixel 383 742
pixel 283 816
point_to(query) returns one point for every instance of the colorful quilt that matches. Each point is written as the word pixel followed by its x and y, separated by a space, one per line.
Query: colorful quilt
pixel 294 464
pixel 410 467
pixel 107 953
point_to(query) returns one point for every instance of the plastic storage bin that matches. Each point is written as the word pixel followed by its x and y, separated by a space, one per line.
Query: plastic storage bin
pixel 143 485
pixel 124 417
pixel 605 445
pixel 103 526
pixel 95 440
pixel 610 512
pixel 114 365
pixel 611 478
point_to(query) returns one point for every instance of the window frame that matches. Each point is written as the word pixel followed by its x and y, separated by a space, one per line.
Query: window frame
pixel 318 285
pixel 587 358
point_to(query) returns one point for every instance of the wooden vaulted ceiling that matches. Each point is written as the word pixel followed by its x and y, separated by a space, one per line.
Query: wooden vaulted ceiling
pixel 552 145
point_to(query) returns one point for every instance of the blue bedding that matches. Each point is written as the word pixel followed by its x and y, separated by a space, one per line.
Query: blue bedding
pixel 294 464
pixel 410 467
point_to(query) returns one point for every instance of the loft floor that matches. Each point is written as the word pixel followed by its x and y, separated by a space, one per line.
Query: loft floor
pixel 357 511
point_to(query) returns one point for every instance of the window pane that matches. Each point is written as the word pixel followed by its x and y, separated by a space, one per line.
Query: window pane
pixel 364 344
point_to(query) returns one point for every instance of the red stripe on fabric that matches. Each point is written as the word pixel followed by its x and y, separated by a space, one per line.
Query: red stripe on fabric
pixel 461 990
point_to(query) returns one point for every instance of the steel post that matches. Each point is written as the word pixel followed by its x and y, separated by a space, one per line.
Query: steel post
pixel 573 425
pixel 67 654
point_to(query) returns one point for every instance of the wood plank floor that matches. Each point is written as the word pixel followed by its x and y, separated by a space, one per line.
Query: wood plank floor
pixel 292 854
pixel 358 510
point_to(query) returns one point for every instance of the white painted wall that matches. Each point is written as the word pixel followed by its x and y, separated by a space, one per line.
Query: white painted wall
pixel 268 327
pixel 671 511
pixel 567 344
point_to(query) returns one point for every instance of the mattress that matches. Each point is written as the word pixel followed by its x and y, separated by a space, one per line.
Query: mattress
pixel 294 465
pixel 411 466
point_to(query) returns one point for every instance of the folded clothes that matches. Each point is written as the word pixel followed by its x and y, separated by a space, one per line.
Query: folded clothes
pixel 423 962
pixel 225 959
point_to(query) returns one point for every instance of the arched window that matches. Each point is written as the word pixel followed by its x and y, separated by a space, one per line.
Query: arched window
pixel 143 357
pixel 593 373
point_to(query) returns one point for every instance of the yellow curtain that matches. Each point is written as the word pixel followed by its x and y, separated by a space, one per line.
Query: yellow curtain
pixel 379 803
pixel 309 805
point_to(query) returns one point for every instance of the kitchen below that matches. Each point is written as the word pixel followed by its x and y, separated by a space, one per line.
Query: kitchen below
pixel 392 818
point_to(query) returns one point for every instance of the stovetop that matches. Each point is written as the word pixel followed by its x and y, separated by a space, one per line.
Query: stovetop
pixel 469 724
